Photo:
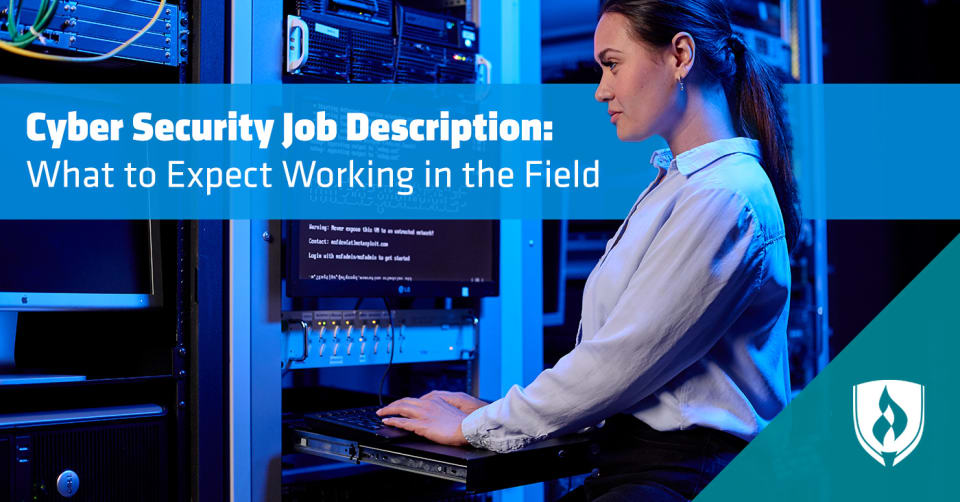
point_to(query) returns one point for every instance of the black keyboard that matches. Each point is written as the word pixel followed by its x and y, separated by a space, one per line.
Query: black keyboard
pixel 355 423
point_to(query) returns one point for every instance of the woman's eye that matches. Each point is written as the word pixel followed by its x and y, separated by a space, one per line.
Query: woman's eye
pixel 610 64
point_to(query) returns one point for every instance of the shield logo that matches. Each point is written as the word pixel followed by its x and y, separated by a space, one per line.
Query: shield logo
pixel 888 418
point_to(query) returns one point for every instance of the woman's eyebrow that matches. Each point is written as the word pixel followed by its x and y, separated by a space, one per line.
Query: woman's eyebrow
pixel 604 52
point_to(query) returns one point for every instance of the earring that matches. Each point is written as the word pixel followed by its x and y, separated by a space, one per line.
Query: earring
pixel 682 88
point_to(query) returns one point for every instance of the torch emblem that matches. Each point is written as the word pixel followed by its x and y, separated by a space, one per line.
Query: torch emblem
pixel 888 418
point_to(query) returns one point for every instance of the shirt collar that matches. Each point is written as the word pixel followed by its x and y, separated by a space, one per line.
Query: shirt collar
pixel 702 156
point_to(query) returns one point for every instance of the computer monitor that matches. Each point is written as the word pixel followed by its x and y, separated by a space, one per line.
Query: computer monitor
pixel 406 258
pixel 75 265
pixel 79 265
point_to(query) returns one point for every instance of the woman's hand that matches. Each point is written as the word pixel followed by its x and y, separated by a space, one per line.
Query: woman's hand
pixel 462 401
pixel 434 419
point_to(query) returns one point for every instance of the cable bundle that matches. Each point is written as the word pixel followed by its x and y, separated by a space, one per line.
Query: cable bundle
pixel 44 16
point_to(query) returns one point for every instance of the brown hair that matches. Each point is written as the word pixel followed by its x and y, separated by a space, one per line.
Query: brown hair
pixel 752 87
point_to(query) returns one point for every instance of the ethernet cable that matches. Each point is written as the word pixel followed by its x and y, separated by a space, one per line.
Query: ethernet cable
pixel 44 16
pixel 16 49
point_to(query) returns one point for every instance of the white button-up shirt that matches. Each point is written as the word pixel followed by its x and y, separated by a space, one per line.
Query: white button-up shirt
pixel 684 317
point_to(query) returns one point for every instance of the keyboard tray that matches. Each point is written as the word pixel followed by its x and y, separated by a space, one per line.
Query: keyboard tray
pixel 479 470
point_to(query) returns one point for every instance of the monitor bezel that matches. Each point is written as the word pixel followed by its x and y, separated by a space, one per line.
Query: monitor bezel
pixel 23 301
pixel 301 288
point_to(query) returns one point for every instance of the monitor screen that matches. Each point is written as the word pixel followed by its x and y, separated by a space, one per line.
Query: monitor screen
pixel 78 265
pixel 355 258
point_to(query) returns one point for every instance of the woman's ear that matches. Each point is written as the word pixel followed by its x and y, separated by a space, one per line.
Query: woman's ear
pixel 684 52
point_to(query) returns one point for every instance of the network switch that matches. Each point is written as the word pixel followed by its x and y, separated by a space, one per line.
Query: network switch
pixel 98 26
pixel 332 338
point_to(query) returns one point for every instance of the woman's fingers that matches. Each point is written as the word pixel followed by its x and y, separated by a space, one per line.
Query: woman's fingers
pixel 406 407
pixel 437 394
pixel 402 423
pixel 459 401
pixel 464 402
pixel 434 419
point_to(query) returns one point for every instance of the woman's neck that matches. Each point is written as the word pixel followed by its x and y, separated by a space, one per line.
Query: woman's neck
pixel 705 118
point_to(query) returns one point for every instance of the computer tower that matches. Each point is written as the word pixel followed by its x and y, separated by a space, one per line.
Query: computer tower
pixel 110 454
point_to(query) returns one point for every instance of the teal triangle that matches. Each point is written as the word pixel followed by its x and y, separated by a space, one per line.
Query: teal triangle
pixel 810 451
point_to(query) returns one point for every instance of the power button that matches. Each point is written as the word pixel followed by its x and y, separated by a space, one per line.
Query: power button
pixel 68 483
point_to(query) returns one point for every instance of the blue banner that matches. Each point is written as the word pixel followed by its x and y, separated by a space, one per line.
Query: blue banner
pixel 429 152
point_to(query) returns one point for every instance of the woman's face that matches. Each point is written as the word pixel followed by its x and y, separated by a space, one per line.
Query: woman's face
pixel 638 85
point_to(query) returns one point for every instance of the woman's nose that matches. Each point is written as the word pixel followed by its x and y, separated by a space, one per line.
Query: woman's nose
pixel 603 93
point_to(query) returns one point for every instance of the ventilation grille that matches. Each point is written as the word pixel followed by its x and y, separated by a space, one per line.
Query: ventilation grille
pixel 117 462
pixel 428 63
pixel 422 34
pixel 311 6
pixel 378 12
pixel 418 62
pixel 455 72
pixel 329 57
pixel 371 57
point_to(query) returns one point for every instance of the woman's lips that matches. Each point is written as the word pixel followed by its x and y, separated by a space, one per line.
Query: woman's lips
pixel 614 117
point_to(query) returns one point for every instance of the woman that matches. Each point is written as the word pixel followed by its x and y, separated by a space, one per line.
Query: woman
pixel 682 349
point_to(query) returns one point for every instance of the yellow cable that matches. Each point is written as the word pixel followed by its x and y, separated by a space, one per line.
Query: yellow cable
pixel 68 59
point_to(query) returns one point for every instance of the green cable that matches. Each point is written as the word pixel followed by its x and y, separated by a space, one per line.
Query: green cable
pixel 16 37
pixel 13 18
pixel 28 37
pixel 45 14
pixel 45 21
pixel 19 37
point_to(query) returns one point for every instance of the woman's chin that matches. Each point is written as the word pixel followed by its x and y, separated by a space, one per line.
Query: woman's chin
pixel 629 135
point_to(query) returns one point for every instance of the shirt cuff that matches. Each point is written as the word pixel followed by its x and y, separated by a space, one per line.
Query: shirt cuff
pixel 479 433
pixel 472 428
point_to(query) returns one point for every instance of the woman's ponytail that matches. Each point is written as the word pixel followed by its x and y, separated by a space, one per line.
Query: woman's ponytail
pixel 757 104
